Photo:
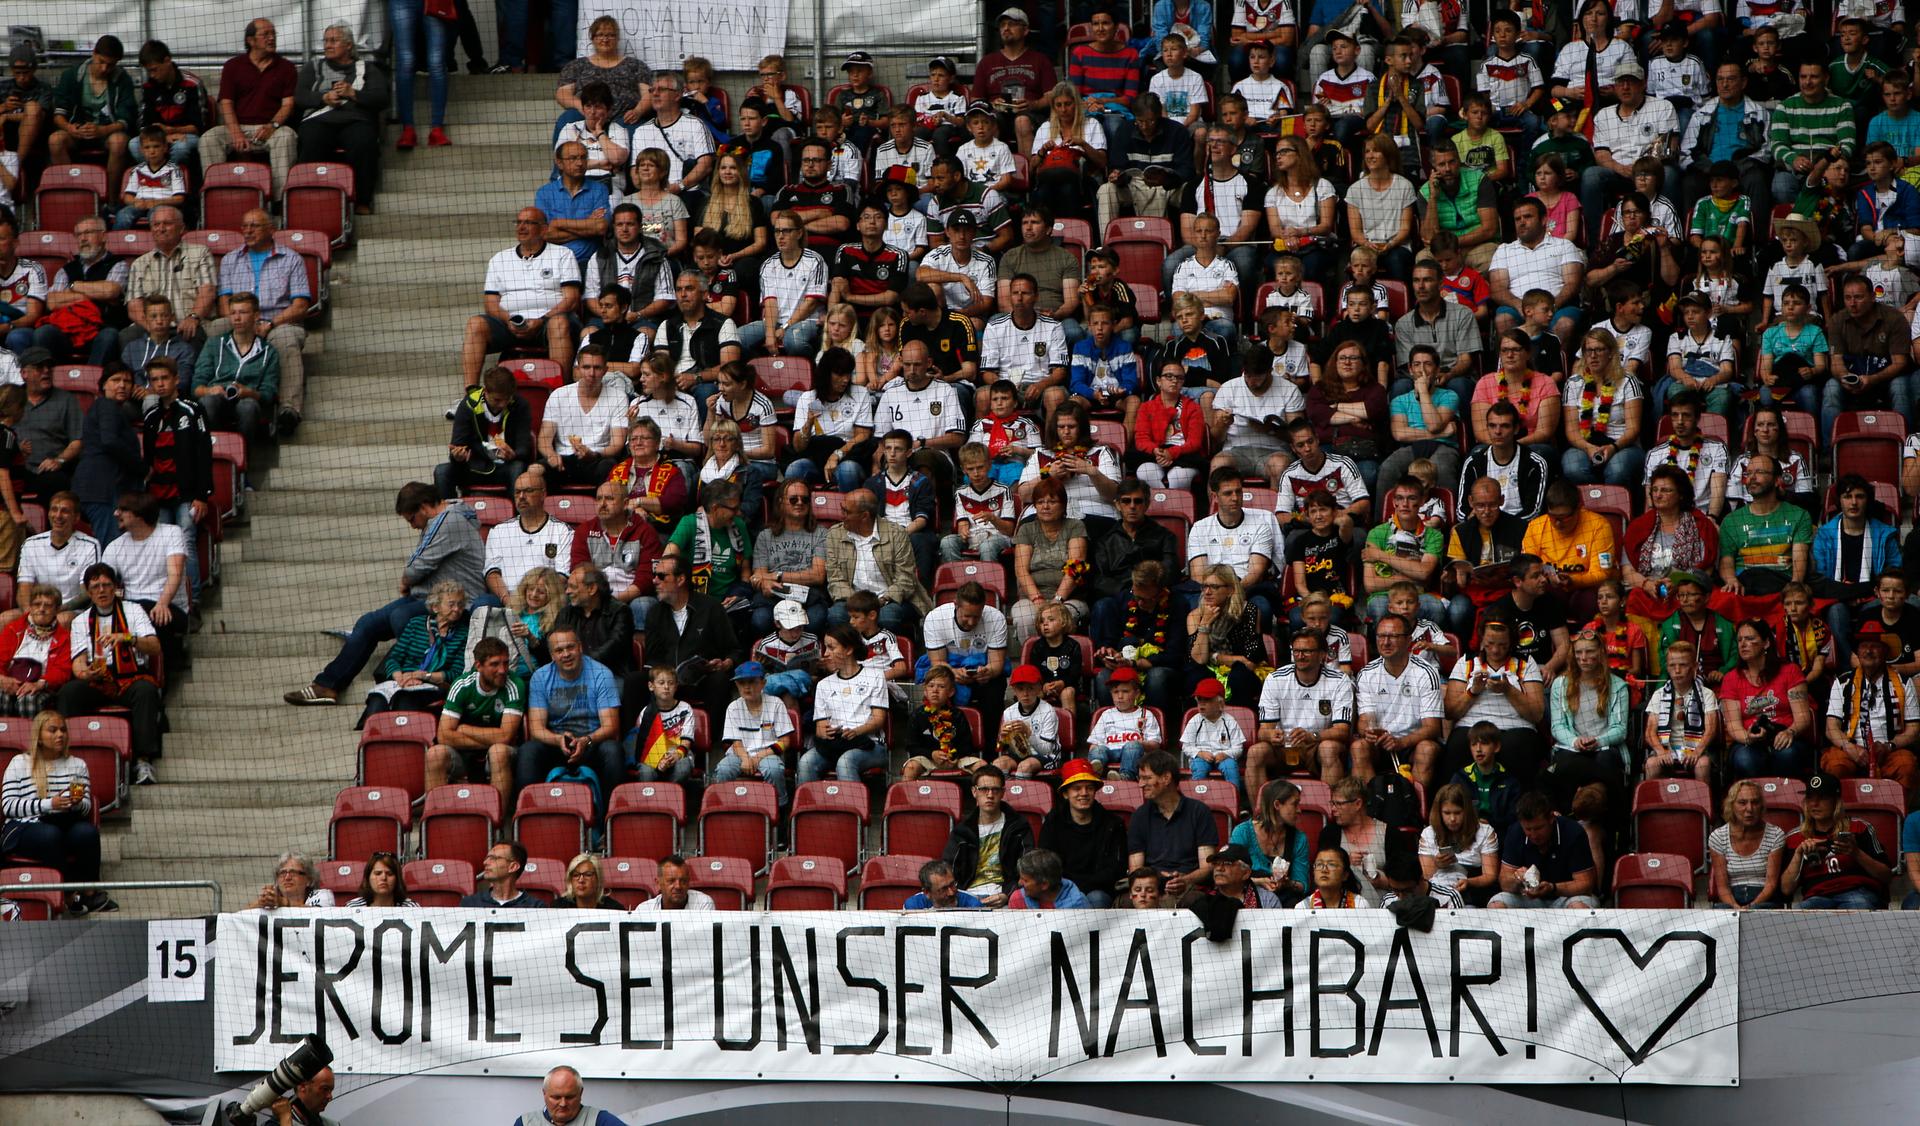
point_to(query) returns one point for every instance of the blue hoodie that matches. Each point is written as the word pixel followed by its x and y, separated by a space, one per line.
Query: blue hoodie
pixel 1883 550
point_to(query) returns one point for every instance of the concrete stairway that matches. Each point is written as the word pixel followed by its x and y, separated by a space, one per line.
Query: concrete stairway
pixel 245 776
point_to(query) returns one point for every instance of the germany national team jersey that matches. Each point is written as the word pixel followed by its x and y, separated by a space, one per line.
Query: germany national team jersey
pixel 869 273
pixel 951 342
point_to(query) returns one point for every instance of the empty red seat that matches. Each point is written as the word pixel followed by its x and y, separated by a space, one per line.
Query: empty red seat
pixel 228 191
pixel 393 751
pixel 1881 804
pixel 887 882
pixel 1784 798
pixel 1220 796
pixel 777 375
pixel 366 820
pixel 460 821
pixel 1121 796
pixel 828 508
pixel 229 468
pixel 1031 798
pixel 105 744
pixel 919 816
pixel 571 510
pixel 828 820
pixel 737 819
pixel 728 879
pixel 629 879
pixel 1652 879
pixel 551 819
pixel 342 878
pixel 1316 806
pixel 316 255
pixel 218 242
pixel 438 883
pixel 1671 815
pixel 952 576
pixel 82 381
pixel 544 878
pixel 319 197
pixel 1142 226
pixel 17 884
pixel 644 819
pixel 806 883
pixel 129 244
pixel 49 250
pixel 69 193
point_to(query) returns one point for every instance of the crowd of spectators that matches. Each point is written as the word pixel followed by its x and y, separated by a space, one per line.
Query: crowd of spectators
pixel 1459 339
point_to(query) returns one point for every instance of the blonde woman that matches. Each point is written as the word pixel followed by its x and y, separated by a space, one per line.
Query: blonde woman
pixel 1602 409
pixel 535 605
pixel 585 888
pixel 1227 642
pixel 662 214
pixel 47 800
pixel 1457 848
pixel 1587 716
pixel 733 213
pixel 1066 147
pixel 1748 853
pixel 1301 207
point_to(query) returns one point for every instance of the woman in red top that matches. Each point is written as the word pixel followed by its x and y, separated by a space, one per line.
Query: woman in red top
pixel 1349 409
pixel 1671 535
pixel 36 653
pixel 1169 436
pixel 1767 711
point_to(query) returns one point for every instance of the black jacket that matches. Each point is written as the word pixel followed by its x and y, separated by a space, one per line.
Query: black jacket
pixel 963 849
pixel 708 634
pixel 1115 554
pixel 607 636
pixel 516 425
pixel 1533 481
pixel 1093 856
pixel 181 467
pixel 110 459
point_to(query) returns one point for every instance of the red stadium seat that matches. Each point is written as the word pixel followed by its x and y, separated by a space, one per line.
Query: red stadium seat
pixel 728 879
pixel 438 883
pixel 1652 879
pixel 1220 796
pixel 16 734
pixel 69 193
pixel 644 819
pixel 737 819
pixel 230 467
pixel 342 878
pixel 366 820
pixel 1140 260
pixel 1144 227
pixel 777 375
pixel 629 879
pixel 316 254
pixel 16 884
pixel 460 821
pixel 219 242
pixel 1614 502
pixel 828 507
pixel 571 510
pixel 1121 796
pixel 1069 733
pixel 319 197
pixel 1868 443
pixel 50 250
pixel 1076 233
pixel 1398 301
pixel 887 882
pixel 1316 807
pixel 1784 798
pixel 1172 502
pixel 129 244
pixel 231 190
pixel 1109 432
pixel 1881 804
pixel 393 751
pixel 918 817
pixel 1146 303
pixel 82 381
pixel 1032 799
pixel 544 878
pixel 551 819
pixel 950 577
pixel 105 744
pixel 828 819
pixel 806 883
pixel 493 511
pixel 1671 815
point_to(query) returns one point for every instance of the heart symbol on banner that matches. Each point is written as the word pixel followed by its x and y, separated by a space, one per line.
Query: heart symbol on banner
pixel 1708 948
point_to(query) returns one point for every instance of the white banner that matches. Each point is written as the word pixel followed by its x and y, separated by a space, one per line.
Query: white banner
pixel 1000 997
pixel 731 34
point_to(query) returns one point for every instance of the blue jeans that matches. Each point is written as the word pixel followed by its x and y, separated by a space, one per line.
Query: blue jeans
pixel 1228 769
pixel 182 152
pixel 847 764
pixel 73 850
pixel 847 476
pixel 1098 899
pixel 953 548
pixel 374 627
pixel 1763 760
pixel 100 514
pixel 181 516
pixel 1802 399
pixel 895 616
pixel 1623 468
pixel 1745 894
pixel 678 773
pixel 772 771
pixel 562 15
pixel 403 19
pixel 1856 899
pixel 1527 123
pixel 1431 607
pixel 1833 401
pixel 802 339
pixel 640 608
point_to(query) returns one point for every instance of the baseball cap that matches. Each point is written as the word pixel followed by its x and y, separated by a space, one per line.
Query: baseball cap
pixel 1675 578
pixel 1123 675
pixel 1336 36
pixel 789 614
pixel 1232 854
pixel 35 358
pixel 1025 674
pixel 961 217
pixel 1209 689
pixel 979 106
pixel 857 58
pixel 1823 785
pixel 1017 15
pixel 1562 105
pixel 1077 770
pixel 1870 630
pixel 1630 69
pixel 943 63
pixel 749 670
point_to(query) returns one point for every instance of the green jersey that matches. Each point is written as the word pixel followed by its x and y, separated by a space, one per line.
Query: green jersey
pixel 469 703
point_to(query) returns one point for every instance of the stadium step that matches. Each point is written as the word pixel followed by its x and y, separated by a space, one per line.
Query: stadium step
pixel 255 833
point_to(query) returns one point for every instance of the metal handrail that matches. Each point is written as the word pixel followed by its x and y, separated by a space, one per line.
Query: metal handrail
pixel 125 885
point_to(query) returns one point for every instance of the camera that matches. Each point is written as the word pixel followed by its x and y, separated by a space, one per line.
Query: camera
pixel 300 1065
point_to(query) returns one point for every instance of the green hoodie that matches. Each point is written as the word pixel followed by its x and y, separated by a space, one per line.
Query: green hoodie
pixel 122 103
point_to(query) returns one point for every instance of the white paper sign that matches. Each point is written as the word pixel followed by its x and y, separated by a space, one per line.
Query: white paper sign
pixel 177 954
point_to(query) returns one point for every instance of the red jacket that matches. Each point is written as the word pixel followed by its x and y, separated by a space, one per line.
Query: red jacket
pixel 59 668
pixel 1150 427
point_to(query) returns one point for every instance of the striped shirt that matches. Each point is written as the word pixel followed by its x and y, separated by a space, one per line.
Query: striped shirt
pixel 19 801
pixel 1798 129
pixel 1100 72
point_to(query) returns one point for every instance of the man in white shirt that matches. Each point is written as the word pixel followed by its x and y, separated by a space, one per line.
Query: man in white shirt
pixel 114 649
pixel 151 559
pixel 926 408
pixel 1312 469
pixel 1536 260
pixel 1250 415
pixel 1306 716
pixel 1623 133
pixel 1401 704
pixel 532 539
pixel 966 277
pixel 531 292
pixel 1027 347
pixel 1248 540
pixel 685 139
pixel 793 294
pixel 970 637
pixel 676 890
pixel 58 557
pixel 1704 460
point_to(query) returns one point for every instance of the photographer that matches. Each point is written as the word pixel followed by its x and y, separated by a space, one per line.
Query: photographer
pixel 313 1097
pixel 1834 861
